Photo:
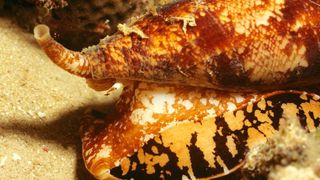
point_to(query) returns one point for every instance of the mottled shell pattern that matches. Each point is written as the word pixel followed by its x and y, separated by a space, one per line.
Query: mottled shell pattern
pixel 170 132
pixel 209 43
pixel 164 127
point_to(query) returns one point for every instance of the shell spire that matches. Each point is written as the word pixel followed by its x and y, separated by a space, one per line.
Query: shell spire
pixel 234 45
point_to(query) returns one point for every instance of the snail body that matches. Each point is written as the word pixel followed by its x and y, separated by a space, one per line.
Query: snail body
pixel 165 127
pixel 234 45
pixel 158 131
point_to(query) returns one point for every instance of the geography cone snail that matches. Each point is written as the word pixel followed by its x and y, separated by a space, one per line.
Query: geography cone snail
pixel 234 45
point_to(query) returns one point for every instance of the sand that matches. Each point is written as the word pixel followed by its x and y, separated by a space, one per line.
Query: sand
pixel 40 111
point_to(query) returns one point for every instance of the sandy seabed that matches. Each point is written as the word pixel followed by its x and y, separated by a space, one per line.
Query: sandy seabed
pixel 40 111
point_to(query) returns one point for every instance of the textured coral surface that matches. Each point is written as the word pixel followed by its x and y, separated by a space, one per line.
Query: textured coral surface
pixel 78 23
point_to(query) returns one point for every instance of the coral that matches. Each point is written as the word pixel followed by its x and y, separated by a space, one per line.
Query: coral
pixel 77 23
pixel 293 172
pixel 291 151
pixel 51 4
